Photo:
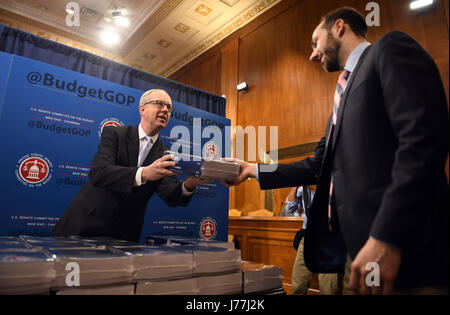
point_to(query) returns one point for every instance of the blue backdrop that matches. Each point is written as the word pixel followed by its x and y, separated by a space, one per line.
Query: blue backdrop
pixel 17 42
pixel 50 125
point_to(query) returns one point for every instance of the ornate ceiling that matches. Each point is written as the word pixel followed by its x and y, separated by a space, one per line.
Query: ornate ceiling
pixel 162 35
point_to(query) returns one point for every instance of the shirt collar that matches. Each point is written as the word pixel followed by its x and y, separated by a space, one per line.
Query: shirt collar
pixel 353 59
pixel 142 134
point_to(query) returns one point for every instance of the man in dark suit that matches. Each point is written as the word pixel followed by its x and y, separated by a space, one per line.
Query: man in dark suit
pixel 128 168
pixel 382 193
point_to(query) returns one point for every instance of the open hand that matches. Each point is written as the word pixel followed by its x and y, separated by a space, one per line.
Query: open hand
pixel 246 170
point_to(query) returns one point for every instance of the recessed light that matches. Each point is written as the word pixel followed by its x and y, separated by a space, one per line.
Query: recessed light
pixel 418 4
pixel 110 38
pixel 122 21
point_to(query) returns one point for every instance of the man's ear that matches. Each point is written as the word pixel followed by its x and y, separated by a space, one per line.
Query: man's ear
pixel 339 28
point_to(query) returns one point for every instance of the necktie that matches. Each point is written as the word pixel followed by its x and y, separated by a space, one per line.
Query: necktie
pixel 340 87
pixel 144 151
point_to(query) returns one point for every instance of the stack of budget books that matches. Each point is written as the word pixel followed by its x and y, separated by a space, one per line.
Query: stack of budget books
pixel 207 168
pixel 96 266
pixel 23 270
pixel 80 265
pixel 257 277
pixel 212 260
pixel 99 265
pixel 158 263
pixel 216 266
pixel 103 241
pixel 173 240
pixel 124 289
pixel 225 284
pixel 187 286
pixel 44 242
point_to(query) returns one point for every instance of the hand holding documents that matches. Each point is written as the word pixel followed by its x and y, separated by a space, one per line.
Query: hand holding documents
pixel 197 166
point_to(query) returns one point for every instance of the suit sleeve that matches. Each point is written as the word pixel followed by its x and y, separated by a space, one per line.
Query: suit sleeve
pixel 305 172
pixel 104 172
pixel 416 106
pixel 169 190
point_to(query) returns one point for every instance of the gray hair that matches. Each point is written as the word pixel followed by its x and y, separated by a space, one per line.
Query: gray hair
pixel 141 100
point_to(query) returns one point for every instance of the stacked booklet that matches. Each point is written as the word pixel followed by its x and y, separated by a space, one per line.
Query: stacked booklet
pixel 196 166
pixel 174 240
pixel 80 264
pixel 102 265
pixel 212 260
pixel 23 270
pixel 158 263
pixel 225 284
pixel 96 266
pixel 124 289
pixel 258 277
pixel 173 287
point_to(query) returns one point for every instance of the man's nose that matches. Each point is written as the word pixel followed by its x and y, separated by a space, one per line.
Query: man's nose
pixel 314 56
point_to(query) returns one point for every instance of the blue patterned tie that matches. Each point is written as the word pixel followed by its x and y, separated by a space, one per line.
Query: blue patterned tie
pixel 144 151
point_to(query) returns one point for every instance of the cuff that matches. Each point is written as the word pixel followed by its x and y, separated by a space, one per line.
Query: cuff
pixel 257 172
pixel 138 177
pixel 185 191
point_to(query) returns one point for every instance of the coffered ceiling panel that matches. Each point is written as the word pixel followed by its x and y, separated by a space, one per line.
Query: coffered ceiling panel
pixel 158 36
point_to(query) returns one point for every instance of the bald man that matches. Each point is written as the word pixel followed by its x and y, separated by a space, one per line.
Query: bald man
pixel 128 168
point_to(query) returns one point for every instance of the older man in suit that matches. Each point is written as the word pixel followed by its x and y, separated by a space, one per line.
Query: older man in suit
pixel 382 193
pixel 128 168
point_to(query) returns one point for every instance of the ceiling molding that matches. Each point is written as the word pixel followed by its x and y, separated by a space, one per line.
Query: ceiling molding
pixel 147 27
pixel 231 27
pixel 163 35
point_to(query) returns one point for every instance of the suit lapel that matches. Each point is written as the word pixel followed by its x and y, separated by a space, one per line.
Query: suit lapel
pixel 344 98
pixel 133 146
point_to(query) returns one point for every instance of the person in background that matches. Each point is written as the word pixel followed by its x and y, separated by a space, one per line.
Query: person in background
pixel 297 202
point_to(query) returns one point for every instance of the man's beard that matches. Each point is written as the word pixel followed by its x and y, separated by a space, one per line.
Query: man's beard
pixel 332 54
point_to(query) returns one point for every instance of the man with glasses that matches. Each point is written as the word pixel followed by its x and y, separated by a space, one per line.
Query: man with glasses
pixel 381 204
pixel 128 168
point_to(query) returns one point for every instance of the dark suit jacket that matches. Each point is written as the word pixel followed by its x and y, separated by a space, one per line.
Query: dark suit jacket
pixel 109 205
pixel 387 156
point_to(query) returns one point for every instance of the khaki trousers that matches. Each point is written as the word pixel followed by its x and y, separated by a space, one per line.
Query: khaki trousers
pixel 301 277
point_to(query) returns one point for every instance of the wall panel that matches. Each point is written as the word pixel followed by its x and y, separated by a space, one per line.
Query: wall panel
pixel 286 89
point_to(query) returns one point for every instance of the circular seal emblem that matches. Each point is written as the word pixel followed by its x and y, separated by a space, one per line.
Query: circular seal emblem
pixel 109 122
pixel 208 228
pixel 34 170
pixel 211 151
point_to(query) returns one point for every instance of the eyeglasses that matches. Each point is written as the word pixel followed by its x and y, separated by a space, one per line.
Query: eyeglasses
pixel 161 104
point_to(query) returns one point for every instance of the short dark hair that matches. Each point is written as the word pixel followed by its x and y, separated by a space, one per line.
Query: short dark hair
pixel 351 16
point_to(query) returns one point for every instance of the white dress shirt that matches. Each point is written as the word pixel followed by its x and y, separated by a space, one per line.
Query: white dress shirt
pixel 143 141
